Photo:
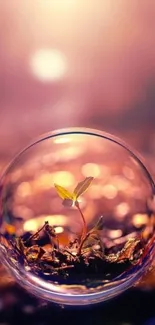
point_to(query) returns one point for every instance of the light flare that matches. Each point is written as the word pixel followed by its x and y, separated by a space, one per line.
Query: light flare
pixel 140 219
pixel 109 191
pixel 34 224
pixel 48 64
pixel 121 210
pixel 91 169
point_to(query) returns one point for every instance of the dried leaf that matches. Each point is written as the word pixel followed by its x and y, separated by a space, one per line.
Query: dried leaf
pixel 20 245
pixel 47 257
pixel 128 250
pixel 87 251
pixel 111 258
pixel 126 253
pixel 82 187
pixel 34 253
pixel 99 254
pixel 63 193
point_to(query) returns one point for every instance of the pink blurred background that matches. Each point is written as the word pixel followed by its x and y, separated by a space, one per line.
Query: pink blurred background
pixel 77 63
pixel 67 63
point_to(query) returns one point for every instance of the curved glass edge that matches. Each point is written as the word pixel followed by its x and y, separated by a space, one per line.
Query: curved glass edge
pixel 86 131
pixel 28 281
pixel 82 299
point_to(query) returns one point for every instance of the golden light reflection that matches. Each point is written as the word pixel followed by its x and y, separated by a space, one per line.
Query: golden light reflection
pixel 140 220
pixel 24 189
pixel 125 238
pixel 82 202
pixel 121 210
pixel 59 230
pixel 46 180
pixel 43 181
pixel 91 169
pixel 61 140
pixel 109 191
pixel 31 225
pixel 115 233
pixel 64 178
pixel 149 227
pixel 54 220
pixel 48 64
pixel 72 152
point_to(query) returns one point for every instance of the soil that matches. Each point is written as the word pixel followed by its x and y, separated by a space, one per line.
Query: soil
pixel 72 264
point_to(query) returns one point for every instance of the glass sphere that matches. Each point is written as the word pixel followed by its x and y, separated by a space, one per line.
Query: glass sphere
pixel 77 219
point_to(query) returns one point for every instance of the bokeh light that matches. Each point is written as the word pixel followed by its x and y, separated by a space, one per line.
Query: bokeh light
pixel 48 65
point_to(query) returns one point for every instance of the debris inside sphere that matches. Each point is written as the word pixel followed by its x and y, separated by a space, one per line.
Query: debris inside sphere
pixel 86 257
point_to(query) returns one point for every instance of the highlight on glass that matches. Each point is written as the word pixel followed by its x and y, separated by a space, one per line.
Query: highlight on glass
pixel 77 217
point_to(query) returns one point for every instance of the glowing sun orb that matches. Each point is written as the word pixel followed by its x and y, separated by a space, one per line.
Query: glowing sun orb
pixel 48 65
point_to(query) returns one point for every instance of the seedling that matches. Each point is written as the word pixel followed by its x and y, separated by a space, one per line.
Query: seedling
pixel 86 254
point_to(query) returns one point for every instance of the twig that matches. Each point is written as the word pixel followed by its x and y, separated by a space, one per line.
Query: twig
pixel 70 253
pixel 37 233
pixel 64 267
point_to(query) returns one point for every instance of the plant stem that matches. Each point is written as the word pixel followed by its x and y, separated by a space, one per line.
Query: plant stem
pixel 57 242
pixel 84 222
pixel 82 242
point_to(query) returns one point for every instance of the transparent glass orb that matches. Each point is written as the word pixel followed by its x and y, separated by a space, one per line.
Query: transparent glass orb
pixel 92 246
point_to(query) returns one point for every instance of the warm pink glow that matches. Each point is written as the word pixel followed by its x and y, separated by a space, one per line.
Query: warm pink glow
pixel 48 65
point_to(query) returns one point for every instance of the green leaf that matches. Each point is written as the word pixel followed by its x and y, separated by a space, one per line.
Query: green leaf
pixel 82 187
pixel 63 193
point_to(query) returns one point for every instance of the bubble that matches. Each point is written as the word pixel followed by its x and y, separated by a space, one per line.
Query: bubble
pixel 77 218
